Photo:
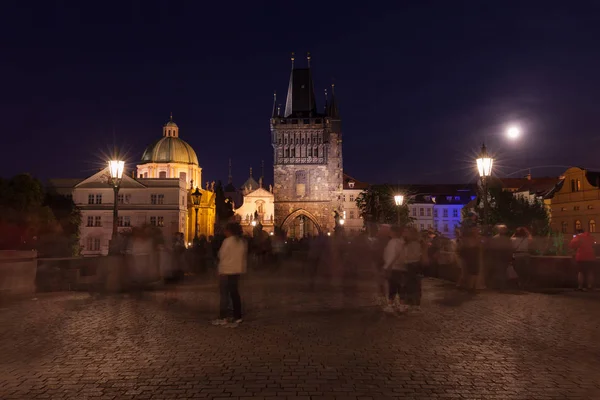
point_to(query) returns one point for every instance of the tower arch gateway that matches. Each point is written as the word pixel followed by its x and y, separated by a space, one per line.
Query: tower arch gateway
pixel 307 154
pixel 301 223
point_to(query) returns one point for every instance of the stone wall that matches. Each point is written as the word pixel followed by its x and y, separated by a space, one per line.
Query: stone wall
pixel 17 272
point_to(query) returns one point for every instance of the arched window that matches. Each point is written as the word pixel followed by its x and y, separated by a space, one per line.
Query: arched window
pixel 182 176
pixel 592 226
pixel 563 227
pixel 577 225
pixel 162 174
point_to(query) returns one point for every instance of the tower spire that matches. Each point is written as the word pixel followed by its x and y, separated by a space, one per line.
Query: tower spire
pixel 262 168
pixel 308 58
pixel 171 117
pixel 230 177
pixel 250 172
pixel 275 111
pixel 333 108
pixel 326 104
pixel 293 58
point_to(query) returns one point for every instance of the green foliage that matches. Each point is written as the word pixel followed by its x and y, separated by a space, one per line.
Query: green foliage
pixel 23 215
pixel 514 212
pixel 377 206
pixel 68 217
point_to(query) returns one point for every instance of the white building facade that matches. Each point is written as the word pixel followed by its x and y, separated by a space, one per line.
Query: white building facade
pixel 157 202
pixel 353 221
pixel 258 206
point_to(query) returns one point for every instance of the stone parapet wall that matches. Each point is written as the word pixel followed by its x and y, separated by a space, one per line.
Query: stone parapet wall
pixel 17 272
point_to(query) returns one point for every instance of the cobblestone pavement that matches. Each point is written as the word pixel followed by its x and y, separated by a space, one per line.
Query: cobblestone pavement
pixel 330 343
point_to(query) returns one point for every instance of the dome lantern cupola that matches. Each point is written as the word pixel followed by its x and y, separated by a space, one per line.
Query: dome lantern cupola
pixel 170 129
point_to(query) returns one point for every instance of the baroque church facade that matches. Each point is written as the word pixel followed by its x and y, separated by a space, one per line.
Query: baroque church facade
pixel 308 162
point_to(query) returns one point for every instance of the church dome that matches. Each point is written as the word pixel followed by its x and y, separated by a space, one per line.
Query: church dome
pixel 170 149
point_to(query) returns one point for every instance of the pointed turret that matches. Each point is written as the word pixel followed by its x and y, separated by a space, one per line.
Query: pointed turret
pixel 275 108
pixel 300 101
pixel 333 111
pixel 326 108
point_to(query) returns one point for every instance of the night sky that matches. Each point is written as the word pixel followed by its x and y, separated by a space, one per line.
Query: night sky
pixel 420 84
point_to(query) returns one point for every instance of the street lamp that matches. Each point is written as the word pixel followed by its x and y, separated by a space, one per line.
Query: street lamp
pixel 196 197
pixel 342 221
pixel 399 200
pixel 116 168
pixel 484 166
pixel 253 223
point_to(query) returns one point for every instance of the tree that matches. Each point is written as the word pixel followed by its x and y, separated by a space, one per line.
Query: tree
pixel 68 217
pixel 514 212
pixel 376 205
pixel 23 215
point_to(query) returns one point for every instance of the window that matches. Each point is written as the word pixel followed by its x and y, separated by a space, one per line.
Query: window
pixel 575 185
pixel 120 199
pixel 428 226
pixel 455 213
pixel 183 200
pixel 435 225
pixel 124 198
pixel 162 174
pixel 351 214
pixel 422 227
pixel 577 225
pixel 97 220
pixel 344 198
pixel 351 185
pixel 456 198
pixel 563 227
pixel 157 199
pixel 590 207
pixel 578 185
pixel 445 214
pixel 301 184
pixel 421 212
pixel 98 199
pixel 429 212
pixel 153 221
pixel 183 175
pixel 592 226
pixel 445 227
pixel 90 221
pixel 414 211
pixel 124 221
pixel 306 121
pixel 160 221
pixel 352 198
pixel 91 199
pixel 576 208
pixel 563 209
pixel 435 213
pixel 448 198
pixel 145 175
pixel 93 244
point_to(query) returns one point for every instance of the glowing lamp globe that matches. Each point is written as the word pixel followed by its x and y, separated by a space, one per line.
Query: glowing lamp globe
pixel 484 163
pixel 399 199
pixel 116 168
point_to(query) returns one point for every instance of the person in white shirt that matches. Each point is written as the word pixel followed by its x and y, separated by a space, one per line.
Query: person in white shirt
pixel 232 264
pixel 394 267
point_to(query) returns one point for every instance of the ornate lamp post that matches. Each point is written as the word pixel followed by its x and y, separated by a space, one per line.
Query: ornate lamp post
pixel 116 168
pixel 484 166
pixel 399 200
pixel 196 197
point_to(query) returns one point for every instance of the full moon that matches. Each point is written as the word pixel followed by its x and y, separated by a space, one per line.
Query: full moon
pixel 513 132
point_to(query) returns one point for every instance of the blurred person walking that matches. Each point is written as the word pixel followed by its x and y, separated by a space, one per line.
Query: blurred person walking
pixel 585 259
pixel 394 266
pixel 469 252
pixel 232 264
pixel 413 261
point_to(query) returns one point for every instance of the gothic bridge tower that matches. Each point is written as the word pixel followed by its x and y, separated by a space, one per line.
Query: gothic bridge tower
pixel 308 169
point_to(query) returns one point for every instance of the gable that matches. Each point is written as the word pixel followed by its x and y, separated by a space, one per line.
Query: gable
pixel 260 192
pixel 101 179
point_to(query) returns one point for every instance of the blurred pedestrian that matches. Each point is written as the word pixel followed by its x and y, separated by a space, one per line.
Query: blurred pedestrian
pixel 469 252
pixel 232 264
pixel 585 259
pixel 394 265
pixel 412 276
